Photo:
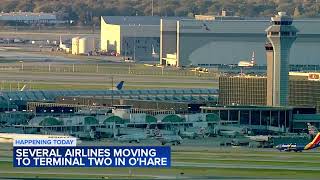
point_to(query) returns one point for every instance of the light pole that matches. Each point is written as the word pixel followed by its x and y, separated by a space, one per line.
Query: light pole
pixel 151 7
pixel 9 102
pixel 21 65
pixel 111 90
pixel 134 43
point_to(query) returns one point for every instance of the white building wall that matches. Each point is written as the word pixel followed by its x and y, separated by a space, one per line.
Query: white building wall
pixel 110 37
pixel 168 39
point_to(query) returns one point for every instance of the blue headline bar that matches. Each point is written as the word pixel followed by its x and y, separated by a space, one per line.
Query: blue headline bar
pixel 95 156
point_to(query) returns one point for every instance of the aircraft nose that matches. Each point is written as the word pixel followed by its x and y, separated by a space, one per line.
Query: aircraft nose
pixel 278 146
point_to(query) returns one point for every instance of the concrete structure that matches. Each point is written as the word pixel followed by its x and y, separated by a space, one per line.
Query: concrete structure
pixel 134 37
pixel 281 34
pixel 75 45
pixel 255 117
pixel 209 42
pixel 243 90
pixel 86 45
pixel 270 68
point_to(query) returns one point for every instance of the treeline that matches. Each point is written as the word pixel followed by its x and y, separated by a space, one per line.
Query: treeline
pixel 88 11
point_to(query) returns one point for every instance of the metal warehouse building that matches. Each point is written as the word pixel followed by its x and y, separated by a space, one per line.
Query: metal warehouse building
pixel 211 42
pixel 135 37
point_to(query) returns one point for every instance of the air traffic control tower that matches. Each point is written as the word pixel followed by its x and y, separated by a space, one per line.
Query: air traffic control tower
pixel 281 35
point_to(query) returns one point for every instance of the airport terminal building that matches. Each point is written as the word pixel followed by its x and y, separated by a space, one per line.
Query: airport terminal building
pixel 304 90
pixel 255 117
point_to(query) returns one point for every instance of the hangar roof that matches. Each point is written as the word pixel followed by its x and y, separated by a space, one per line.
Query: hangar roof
pixel 142 20
pixel 305 26
pixel 130 20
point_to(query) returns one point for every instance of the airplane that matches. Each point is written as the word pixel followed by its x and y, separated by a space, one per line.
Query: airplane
pixel 131 138
pixel 85 135
pixel 164 136
pixel 129 61
pixel 299 148
pixel 227 133
pixel 229 130
pixel 128 134
pixel 188 134
pixel 105 132
pixel 154 54
pixel 174 139
pixel 259 138
pixel 248 63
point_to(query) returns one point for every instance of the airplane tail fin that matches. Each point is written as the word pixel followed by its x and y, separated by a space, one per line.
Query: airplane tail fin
pixel 60 42
pixel 314 143
pixel 312 129
pixel 253 59
pixel 120 85
pixel 23 88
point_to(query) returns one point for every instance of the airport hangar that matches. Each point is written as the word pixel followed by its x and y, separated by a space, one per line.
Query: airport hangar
pixel 29 18
pixel 134 37
pixel 211 42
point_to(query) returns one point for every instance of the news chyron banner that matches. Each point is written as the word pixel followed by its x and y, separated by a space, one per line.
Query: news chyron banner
pixel 63 152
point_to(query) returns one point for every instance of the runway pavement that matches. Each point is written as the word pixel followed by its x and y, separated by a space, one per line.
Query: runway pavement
pixel 242 166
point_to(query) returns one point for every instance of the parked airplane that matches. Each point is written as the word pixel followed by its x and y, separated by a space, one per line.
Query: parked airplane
pixel 129 134
pixel 173 139
pixel 85 135
pixel 230 130
pixel 299 148
pixel 248 63
pixel 131 138
pixel 188 134
pixel 165 136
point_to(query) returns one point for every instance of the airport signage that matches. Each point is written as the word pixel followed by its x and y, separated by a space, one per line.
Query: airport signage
pixel 43 142
pixel 314 76
pixel 92 156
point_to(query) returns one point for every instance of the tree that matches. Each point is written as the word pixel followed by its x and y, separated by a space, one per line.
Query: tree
pixel 84 11
pixel 296 12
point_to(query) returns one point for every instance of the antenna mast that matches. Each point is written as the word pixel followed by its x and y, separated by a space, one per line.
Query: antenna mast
pixel 151 7
pixel 111 90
